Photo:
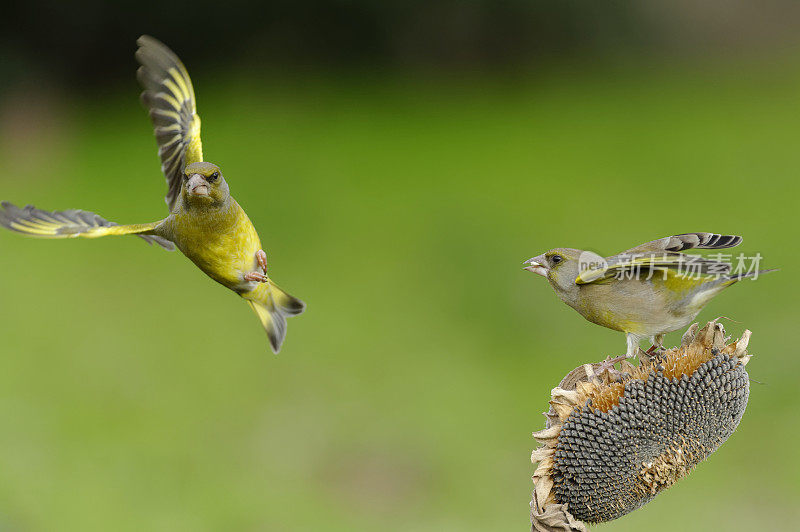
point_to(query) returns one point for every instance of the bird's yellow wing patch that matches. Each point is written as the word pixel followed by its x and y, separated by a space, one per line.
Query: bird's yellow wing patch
pixel 644 266
pixel 169 97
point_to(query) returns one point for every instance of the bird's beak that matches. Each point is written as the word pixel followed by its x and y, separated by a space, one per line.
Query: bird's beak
pixel 536 265
pixel 197 185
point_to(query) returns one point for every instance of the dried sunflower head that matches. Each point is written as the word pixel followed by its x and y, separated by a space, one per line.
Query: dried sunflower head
pixel 613 442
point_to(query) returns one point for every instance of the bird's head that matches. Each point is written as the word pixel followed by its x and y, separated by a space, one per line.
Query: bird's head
pixel 560 266
pixel 203 184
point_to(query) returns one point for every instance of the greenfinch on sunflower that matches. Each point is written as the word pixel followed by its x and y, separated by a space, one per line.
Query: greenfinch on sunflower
pixel 646 291
pixel 205 223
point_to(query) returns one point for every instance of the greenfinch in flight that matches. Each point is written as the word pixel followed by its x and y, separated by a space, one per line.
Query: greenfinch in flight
pixel 204 222
pixel 646 291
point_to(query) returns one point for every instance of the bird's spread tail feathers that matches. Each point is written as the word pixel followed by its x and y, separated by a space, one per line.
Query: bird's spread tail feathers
pixel 272 306
pixel 70 224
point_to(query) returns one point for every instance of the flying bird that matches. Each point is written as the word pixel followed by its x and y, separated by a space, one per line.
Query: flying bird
pixel 205 223
pixel 646 291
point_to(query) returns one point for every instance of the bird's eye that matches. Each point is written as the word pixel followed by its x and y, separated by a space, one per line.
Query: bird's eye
pixel 555 259
pixel 213 177
pixel 185 177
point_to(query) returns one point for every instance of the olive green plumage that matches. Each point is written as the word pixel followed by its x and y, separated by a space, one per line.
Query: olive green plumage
pixel 646 291
pixel 205 223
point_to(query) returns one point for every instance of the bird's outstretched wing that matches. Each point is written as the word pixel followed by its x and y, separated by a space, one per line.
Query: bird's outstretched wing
pixel 70 224
pixel 663 254
pixel 169 97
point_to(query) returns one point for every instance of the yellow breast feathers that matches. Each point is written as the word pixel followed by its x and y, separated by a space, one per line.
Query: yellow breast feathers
pixel 223 243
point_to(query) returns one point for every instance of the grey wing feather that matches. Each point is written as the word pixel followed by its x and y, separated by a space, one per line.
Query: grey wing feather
pixel 682 242
pixel 169 97
pixel 665 254
pixel 35 222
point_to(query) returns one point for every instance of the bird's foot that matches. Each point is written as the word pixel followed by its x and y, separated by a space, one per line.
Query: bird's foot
pixel 654 353
pixel 259 277
pixel 607 365
pixel 256 276
pixel 261 257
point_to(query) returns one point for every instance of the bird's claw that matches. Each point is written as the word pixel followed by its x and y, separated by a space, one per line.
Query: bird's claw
pixel 261 257
pixel 256 276
pixel 259 277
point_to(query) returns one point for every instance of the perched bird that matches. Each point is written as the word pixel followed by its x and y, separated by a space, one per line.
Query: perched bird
pixel 204 222
pixel 646 291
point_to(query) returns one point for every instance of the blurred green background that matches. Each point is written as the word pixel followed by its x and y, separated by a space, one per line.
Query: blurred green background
pixel 399 172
